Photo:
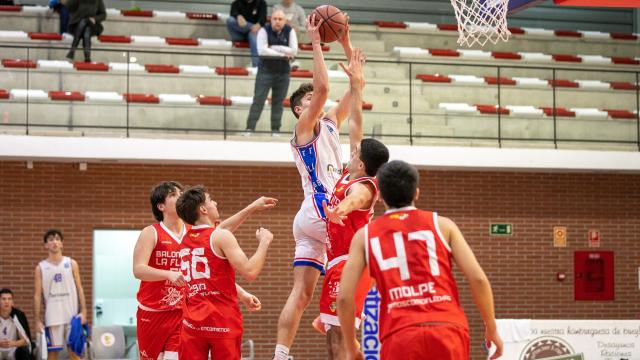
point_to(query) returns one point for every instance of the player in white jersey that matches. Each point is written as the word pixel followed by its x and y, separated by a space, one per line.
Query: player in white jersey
pixel 57 282
pixel 318 156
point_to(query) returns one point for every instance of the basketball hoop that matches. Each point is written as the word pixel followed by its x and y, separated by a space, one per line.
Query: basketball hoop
pixel 480 21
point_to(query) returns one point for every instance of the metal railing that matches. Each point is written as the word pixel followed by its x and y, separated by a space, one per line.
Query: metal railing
pixel 450 127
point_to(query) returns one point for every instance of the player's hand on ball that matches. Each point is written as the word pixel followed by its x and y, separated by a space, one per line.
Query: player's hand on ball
pixel 175 278
pixel 334 214
pixel 263 234
pixel 346 36
pixel 264 203
pixel 312 30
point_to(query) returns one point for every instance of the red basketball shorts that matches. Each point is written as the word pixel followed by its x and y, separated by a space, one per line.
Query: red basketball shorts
pixel 193 347
pixel 329 295
pixel 159 332
pixel 442 342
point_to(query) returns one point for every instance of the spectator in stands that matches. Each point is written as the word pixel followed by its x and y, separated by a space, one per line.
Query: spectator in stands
pixel 57 6
pixel 85 18
pixel 15 337
pixel 246 18
pixel 294 14
pixel 277 45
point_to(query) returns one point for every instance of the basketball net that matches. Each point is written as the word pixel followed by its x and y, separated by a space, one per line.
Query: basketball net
pixel 480 21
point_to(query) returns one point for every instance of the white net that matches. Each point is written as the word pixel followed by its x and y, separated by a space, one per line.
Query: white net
pixel 480 21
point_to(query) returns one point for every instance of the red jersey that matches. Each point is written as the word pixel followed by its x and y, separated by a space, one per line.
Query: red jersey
pixel 411 263
pixel 162 295
pixel 340 236
pixel 211 305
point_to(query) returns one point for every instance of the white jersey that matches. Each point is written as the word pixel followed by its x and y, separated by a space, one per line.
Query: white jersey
pixel 320 165
pixel 59 292
pixel 8 330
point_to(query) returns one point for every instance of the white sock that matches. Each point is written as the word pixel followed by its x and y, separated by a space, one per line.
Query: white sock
pixel 282 352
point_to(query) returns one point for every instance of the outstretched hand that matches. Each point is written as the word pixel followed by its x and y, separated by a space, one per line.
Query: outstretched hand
pixel 313 28
pixel 265 203
pixel 334 214
pixel 355 69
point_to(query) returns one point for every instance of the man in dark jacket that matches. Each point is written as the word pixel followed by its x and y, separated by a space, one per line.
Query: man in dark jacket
pixel 277 45
pixel 246 18
pixel 15 337
pixel 85 21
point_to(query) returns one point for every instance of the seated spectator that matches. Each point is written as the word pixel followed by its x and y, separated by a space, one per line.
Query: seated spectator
pixel 15 338
pixel 294 14
pixel 246 18
pixel 85 18
pixel 277 45
pixel 58 7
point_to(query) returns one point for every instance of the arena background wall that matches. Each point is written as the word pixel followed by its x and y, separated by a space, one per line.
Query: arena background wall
pixel 522 268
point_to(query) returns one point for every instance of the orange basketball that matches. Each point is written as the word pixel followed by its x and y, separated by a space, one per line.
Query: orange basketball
pixel 333 22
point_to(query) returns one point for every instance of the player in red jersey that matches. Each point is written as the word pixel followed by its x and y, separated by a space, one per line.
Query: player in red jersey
pixel 409 253
pixel 210 256
pixel 156 263
pixel 350 208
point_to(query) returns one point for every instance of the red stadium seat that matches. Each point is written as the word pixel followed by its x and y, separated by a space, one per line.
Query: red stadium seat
pixel 566 58
pixel 492 80
pixel 66 96
pixel 162 68
pixel 202 16
pixel 237 71
pixel 213 100
pixel 559 112
pixel 137 13
pixel 45 36
pixel 620 114
pixel 181 41
pixel 491 109
pixel 17 63
pixel 434 78
pixel 506 55
pixel 114 39
pixel 83 66
pixel 563 83
pixel 444 52
pixel 390 24
pixel 141 98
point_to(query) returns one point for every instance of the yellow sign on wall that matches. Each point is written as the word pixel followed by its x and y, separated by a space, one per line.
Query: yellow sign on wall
pixel 559 236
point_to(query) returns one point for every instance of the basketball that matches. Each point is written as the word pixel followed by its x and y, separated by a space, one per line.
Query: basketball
pixel 334 22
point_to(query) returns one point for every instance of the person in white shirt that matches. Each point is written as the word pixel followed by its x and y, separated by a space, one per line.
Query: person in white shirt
pixel 57 284
pixel 14 338
pixel 277 45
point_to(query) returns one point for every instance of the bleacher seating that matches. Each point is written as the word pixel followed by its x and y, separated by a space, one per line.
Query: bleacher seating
pixel 186 65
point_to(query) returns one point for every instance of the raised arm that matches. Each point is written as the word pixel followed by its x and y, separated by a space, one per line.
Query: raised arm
pixel 360 197
pixel 228 245
pixel 141 254
pixel 75 269
pixel 234 222
pixel 341 111
pixel 37 300
pixel 351 274
pixel 480 287
pixel 310 116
